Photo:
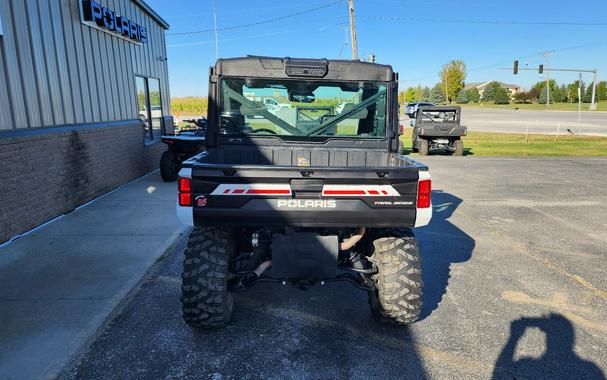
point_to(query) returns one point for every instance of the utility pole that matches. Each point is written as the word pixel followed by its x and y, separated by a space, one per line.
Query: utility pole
pixel 216 35
pixel 353 30
pixel 579 105
pixel 546 55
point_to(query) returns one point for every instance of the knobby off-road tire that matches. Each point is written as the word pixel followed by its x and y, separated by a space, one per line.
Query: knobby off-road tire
pixel 205 299
pixel 169 166
pixel 398 296
pixel 423 147
pixel 458 148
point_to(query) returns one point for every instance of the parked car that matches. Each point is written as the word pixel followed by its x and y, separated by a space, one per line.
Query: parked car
pixel 411 108
pixel 273 105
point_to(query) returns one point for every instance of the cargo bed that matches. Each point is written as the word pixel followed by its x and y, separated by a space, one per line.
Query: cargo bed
pixel 303 188
pixel 301 157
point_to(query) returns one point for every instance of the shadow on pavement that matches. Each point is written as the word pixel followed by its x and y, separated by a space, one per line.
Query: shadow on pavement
pixel 276 332
pixel 441 244
pixel 558 361
pixel 436 152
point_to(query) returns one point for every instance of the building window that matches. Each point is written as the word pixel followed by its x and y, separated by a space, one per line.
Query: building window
pixel 149 107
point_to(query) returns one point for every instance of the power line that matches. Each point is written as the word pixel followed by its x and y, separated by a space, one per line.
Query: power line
pixel 258 22
pixel 251 11
pixel 484 22
pixel 247 37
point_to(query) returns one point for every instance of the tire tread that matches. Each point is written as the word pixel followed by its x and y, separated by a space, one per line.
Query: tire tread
pixel 206 301
pixel 398 297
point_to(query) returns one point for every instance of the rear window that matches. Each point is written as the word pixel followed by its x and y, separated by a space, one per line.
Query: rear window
pixel 302 109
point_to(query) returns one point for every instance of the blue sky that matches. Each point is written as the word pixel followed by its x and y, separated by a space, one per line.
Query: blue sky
pixel 412 36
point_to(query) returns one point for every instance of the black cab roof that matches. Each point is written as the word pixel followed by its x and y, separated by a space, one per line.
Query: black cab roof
pixel 299 68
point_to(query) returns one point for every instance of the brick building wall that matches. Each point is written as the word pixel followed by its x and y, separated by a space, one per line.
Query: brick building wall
pixel 47 173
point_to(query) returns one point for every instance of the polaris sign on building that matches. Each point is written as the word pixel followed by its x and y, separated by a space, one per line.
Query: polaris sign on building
pixel 106 19
pixel 84 98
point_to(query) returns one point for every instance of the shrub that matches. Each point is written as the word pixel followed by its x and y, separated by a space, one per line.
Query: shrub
pixel 501 96
pixel 462 97
pixel 473 95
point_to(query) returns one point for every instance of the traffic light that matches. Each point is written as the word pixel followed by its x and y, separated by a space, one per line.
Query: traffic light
pixel 541 69
pixel 515 69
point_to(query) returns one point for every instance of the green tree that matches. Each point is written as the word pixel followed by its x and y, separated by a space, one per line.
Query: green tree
pixel 522 97
pixel 572 90
pixel 473 95
pixel 540 86
pixel 418 93
pixel 564 93
pixel 491 91
pixel 533 95
pixel 436 94
pixel 556 95
pixel 587 95
pixel 452 77
pixel 401 97
pixel 462 97
pixel 501 96
pixel 601 91
pixel 544 96
pixel 426 94
pixel 410 95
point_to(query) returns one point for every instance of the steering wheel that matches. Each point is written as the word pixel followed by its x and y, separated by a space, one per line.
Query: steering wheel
pixel 263 130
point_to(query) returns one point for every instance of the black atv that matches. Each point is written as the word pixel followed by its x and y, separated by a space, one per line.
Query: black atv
pixel 185 143
pixel 438 128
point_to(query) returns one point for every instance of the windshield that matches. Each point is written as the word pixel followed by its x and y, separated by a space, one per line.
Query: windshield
pixel 302 109
pixel 438 116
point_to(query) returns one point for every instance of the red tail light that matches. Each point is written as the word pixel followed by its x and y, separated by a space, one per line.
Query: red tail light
pixel 401 129
pixel 185 199
pixel 424 188
pixel 184 185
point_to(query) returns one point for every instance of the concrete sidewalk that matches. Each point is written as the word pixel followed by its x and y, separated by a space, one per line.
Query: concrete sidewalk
pixel 61 281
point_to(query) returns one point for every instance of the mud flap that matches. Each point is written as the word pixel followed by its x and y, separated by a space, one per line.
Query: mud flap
pixel 304 255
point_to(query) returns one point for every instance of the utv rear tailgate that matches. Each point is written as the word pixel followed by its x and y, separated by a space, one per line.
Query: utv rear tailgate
pixel 255 195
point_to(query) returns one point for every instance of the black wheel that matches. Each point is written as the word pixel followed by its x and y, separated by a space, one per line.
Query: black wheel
pixel 401 148
pixel 205 299
pixel 169 166
pixel 398 295
pixel 414 145
pixel 458 148
pixel 423 146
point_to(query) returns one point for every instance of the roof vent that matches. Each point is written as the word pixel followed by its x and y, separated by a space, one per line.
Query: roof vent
pixel 306 68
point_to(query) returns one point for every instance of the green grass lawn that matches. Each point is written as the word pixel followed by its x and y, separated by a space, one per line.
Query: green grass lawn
pixel 601 106
pixel 513 144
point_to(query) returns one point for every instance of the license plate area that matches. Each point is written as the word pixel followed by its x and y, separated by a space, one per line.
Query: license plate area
pixel 304 255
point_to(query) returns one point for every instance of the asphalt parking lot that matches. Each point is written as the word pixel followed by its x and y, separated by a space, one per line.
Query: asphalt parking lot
pixel 514 268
